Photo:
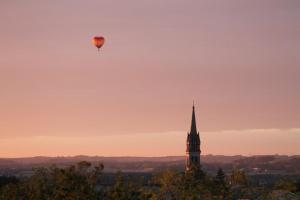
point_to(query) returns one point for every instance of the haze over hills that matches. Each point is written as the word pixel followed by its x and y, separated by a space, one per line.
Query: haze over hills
pixel 275 164
pixel 61 160
pixel 65 159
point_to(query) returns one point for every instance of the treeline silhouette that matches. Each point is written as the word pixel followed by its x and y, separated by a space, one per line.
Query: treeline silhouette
pixel 83 182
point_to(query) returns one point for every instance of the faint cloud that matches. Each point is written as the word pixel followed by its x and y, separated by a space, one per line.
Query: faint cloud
pixel 295 130
pixel 246 131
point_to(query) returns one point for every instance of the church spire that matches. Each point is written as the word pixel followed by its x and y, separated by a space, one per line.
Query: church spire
pixel 193 145
pixel 193 125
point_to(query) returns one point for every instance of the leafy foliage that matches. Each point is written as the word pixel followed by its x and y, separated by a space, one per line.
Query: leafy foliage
pixel 81 182
pixel 123 190
pixel 72 183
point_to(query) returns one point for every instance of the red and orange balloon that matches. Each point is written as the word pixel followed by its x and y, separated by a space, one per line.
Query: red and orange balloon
pixel 98 41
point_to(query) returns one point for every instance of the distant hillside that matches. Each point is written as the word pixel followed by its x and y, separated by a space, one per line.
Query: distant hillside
pixel 71 159
pixel 253 164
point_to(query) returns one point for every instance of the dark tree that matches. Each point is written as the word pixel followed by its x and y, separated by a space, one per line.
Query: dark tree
pixel 221 187
pixel 125 189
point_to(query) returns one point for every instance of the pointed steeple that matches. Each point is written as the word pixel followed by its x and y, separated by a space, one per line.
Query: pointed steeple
pixel 193 142
pixel 193 125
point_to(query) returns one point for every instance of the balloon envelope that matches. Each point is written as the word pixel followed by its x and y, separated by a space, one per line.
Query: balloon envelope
pixel 98 41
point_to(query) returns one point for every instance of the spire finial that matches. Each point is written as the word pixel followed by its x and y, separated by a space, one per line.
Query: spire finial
pixel 193 125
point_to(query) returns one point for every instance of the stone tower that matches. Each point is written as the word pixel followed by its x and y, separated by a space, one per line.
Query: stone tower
pixel 193 145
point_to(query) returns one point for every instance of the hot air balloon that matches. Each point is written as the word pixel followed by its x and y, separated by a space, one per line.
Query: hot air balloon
pixel 98 41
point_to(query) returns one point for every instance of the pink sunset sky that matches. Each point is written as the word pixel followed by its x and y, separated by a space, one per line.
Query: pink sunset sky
pixel 239 60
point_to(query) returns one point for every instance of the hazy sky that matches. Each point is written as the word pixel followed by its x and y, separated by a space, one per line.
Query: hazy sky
pixel 237 59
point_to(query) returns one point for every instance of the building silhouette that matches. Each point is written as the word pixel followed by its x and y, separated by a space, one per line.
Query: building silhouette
pixel 193 145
